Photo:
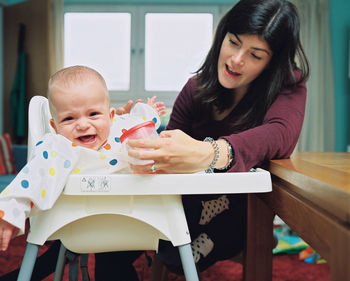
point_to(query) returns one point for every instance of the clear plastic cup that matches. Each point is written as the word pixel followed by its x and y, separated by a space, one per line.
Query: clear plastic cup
pixel 145 130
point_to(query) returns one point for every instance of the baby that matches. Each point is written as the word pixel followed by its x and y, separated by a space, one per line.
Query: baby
pixel 86 140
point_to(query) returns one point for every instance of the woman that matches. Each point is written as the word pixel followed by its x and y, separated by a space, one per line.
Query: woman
pixel 249 99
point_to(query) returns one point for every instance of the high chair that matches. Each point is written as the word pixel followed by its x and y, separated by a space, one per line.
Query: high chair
pixel 125 211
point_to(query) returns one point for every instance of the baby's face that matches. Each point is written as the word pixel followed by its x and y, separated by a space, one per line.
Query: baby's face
pixel 81 113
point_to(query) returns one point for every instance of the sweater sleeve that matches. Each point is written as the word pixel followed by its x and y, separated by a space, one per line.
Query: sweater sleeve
pixel 276 137
pixel 183 111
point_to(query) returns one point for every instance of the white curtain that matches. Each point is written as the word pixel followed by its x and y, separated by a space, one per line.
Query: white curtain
pixel 318 129
pixel 55 35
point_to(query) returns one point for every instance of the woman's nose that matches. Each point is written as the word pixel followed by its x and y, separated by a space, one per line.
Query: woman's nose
pixel 238 59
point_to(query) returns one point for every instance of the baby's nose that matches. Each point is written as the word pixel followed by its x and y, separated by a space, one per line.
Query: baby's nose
pixel 82 125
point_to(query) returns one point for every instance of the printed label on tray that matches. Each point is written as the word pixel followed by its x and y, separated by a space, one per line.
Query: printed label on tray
pixel 95 184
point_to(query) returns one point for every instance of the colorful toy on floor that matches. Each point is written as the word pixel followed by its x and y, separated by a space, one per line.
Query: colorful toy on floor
pixel 309 255
pixel 288 241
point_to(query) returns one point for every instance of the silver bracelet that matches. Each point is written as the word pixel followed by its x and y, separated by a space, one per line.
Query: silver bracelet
pixel 216 156
pixel 230 155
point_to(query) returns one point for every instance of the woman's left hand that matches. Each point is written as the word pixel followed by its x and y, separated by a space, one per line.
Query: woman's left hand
pixel 174 152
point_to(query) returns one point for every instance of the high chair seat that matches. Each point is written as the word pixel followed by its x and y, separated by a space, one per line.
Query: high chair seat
pixel 100 213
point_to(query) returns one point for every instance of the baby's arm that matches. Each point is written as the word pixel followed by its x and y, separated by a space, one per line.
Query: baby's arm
pixel 37 186
pixel 7 232
pixel 157 106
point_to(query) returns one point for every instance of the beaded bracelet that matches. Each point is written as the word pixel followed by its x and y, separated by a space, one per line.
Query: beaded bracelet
pixel 230 154
pixel 216 156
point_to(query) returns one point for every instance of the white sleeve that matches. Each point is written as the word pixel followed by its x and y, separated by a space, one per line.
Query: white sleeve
pixel 38 185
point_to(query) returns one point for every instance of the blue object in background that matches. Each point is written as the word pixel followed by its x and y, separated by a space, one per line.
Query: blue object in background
pixel 20 156
pixel 18 92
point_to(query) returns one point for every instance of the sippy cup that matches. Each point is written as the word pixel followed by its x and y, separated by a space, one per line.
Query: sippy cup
pixel 145 130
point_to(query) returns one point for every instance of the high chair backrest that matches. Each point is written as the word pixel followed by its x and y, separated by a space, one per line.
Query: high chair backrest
pixel 38 121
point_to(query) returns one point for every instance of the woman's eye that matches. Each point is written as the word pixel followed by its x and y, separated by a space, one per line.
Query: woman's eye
pixel 256 57
pixel 233 42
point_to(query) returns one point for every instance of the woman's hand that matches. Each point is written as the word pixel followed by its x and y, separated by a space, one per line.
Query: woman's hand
pixel 173 153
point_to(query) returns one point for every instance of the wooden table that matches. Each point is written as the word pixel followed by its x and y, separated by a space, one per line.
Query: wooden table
pixel 311 193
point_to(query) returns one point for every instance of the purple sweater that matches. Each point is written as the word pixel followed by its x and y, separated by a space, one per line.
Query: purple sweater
pixel 274 139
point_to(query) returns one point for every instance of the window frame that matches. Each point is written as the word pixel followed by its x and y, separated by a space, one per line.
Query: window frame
pixel 137 43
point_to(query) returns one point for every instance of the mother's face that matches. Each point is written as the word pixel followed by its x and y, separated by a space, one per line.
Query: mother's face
pixel 242 58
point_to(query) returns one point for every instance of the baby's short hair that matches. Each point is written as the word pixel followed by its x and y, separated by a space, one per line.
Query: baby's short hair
pixel 71 76
pixel 74 74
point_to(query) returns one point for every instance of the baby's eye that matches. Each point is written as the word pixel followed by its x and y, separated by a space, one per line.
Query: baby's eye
pixel 94 113
pixel 69 118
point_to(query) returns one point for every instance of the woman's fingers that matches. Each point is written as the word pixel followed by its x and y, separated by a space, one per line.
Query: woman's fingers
pixel 173 152
pixel 165 134
pixel 145 143
pixel 145 154
pixel 146 169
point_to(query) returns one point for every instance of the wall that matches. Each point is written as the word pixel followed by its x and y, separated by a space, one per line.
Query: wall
pixel 340 30
pixel 3 3
pixel 35 16
pixel 176 2
pixel 1 69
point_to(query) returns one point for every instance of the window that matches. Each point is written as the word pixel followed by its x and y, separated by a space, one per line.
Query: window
pixel 175 45
pixel 101 41
pixel 141 51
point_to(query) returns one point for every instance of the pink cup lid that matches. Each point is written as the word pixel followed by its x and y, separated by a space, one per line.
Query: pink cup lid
pixel 127 133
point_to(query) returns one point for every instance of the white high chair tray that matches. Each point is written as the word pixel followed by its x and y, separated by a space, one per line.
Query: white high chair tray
pixel 148 204
pixel 169 184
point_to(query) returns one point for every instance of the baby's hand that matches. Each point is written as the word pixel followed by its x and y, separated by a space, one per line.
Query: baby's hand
pixel 157 106
pixel 126 108
pixel 7 232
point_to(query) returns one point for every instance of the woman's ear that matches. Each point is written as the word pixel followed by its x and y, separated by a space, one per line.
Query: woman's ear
pixel 52 124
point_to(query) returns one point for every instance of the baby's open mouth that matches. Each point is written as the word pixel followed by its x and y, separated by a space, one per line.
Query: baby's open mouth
pixel 87 138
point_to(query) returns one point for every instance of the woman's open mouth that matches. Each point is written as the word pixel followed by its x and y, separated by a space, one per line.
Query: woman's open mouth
pixel 230 72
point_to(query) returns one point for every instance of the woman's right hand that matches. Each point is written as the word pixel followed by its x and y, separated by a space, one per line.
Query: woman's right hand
pixel 174 152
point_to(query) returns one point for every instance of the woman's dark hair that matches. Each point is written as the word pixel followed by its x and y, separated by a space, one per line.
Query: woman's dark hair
pixel 277 22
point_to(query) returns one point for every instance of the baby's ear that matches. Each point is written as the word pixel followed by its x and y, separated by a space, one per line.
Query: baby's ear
pixel 52 124
pixel 111 113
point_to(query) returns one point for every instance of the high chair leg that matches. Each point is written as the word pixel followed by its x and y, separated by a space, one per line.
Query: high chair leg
pixel 25 273
pixel 60 264
pixel 188 264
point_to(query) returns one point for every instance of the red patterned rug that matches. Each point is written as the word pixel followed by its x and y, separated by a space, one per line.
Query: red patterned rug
pixel 285 267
